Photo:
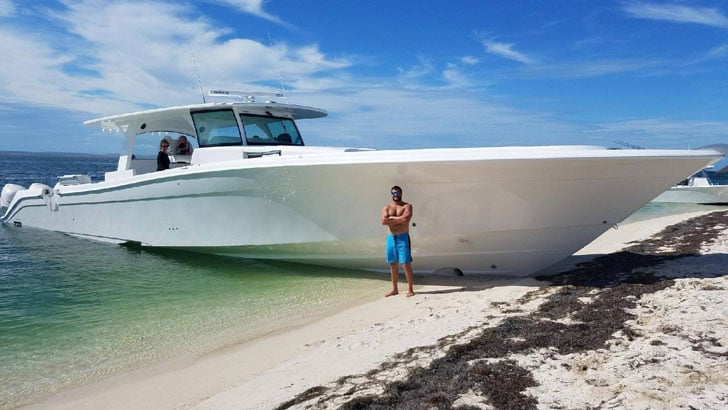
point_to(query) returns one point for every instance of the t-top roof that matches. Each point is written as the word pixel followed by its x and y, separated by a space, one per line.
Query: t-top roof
pixel 178 118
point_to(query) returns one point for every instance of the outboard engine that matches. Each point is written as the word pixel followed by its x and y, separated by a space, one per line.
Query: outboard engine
pixel 43 188
pixel 8 193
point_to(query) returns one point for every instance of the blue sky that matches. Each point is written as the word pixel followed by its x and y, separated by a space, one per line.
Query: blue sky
pixel 391 74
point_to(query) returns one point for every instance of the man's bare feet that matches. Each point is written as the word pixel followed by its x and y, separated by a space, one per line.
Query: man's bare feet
pixel 410 294
pixel 392 293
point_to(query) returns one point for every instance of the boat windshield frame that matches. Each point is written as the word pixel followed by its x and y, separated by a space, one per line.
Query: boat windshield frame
pixel 216 128
pixel 270 130
pixel 219 128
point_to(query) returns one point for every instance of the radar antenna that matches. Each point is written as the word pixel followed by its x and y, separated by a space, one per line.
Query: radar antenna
pixel 278 66
pixel 194 62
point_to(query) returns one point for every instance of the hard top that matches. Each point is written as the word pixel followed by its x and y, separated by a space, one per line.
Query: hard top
pixel 178 118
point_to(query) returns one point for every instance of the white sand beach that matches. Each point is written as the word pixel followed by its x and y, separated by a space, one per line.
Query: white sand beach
pixel 670 349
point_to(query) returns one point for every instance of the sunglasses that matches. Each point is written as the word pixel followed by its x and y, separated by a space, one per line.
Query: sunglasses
pixel 396 193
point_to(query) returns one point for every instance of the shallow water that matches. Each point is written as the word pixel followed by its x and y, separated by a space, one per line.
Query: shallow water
pixel 653 210
pixel 74 311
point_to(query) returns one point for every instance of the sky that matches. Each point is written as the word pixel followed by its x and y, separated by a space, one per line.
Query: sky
pixel 392 74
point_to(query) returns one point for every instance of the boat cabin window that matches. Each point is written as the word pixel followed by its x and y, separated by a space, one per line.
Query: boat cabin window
pixel 267 130
pixel 216 128
pixel 146 148
pixel 146 144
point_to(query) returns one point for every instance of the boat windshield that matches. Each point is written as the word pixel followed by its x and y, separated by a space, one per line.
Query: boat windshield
pixel 216 128
pixel 267 130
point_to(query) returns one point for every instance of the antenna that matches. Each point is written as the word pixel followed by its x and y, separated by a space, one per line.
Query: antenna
pixel 278 67
pixel 194 62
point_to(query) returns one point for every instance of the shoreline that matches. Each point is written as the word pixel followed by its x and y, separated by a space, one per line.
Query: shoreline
pixel 263 361
pixel 388 337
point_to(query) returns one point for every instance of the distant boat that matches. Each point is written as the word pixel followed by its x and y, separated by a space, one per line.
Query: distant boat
pixel 252 189
pixel 701 188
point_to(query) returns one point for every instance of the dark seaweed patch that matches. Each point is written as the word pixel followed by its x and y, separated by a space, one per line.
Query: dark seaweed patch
pixel 594 298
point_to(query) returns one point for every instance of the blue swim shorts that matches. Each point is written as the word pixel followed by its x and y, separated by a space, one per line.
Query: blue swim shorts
pixel 398 248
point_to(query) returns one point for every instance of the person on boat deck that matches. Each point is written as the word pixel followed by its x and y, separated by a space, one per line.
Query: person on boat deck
pixel 396 215
pixel 162 157
pixel 183 146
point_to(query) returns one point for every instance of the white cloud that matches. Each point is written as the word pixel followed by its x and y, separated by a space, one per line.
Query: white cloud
pixel 664 133
pixel 677 13
pixel 120 56
pixel 505 50
pixel 254 7
pixel 454 77
pixel 720 51
pixel 387 117
pixel 32 72
pixel 469 60
pixel 417 71
pixel 134 55
pixel 588 43
pixel 697 64
pixel 593 68
pixel 7 8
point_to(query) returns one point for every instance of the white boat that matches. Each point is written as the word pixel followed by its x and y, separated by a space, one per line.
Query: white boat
pixel 252 189
pixel 698 189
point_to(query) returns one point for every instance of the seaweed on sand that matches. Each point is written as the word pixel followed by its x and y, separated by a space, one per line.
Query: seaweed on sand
pixel 564 323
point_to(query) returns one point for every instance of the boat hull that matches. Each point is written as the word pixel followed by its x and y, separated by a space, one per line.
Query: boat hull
pixel 475 211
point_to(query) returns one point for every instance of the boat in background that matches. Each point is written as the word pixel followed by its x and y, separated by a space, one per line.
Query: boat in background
pixel 701 188
pixel 252 189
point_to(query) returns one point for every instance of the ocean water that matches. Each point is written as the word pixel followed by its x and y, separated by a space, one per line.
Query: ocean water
pixel 73 311
pixel 653 210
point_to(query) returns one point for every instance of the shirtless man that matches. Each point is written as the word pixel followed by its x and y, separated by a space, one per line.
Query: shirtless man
pixel 396 215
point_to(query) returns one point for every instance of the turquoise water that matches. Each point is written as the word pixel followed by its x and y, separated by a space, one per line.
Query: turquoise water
pixel 653 210
pixel 74 311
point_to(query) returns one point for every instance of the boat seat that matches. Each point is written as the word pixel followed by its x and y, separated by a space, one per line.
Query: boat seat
pixel 285 137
